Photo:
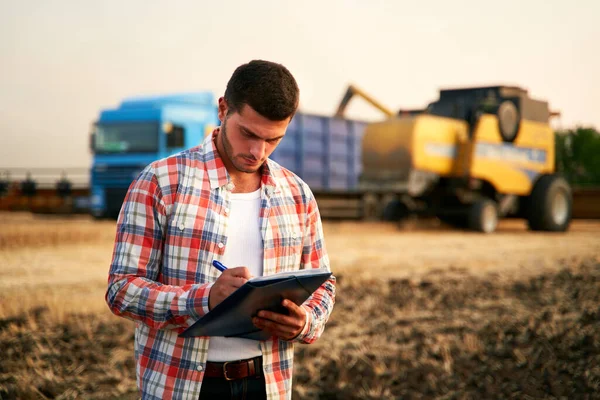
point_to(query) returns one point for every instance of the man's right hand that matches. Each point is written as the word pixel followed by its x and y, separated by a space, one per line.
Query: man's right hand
pixel 229 281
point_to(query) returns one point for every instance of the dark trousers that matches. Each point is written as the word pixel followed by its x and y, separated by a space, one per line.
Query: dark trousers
pixel 239 389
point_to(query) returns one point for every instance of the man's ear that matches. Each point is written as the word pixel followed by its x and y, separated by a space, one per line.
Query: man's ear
pixel 223 109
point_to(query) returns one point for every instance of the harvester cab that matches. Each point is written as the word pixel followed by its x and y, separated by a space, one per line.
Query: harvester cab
pixel 473 156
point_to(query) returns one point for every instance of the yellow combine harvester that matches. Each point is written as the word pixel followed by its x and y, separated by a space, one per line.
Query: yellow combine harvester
pixel 470 158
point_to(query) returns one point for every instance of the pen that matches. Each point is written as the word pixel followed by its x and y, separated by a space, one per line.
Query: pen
pixel 219 266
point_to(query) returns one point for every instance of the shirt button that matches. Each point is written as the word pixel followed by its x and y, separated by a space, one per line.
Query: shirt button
pixel 220 245
pixel 199 368
pixel 230 186
pixel 226 211
pixel 181 226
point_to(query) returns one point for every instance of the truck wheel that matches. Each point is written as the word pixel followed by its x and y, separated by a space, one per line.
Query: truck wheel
pixel 550 205
pixel 483 216
pixel 395 210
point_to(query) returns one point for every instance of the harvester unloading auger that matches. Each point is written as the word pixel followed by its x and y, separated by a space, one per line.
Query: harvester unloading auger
pixel 473 156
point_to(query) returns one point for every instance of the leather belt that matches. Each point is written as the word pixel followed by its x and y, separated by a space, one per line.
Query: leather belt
pixel 232 370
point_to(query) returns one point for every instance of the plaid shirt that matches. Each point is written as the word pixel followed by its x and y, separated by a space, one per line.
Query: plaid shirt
pixel 173 223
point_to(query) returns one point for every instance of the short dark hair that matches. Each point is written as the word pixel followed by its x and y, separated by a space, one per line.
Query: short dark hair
pixel 269 88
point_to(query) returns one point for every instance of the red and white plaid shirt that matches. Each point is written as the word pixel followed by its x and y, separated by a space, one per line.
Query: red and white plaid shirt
pixel 172 225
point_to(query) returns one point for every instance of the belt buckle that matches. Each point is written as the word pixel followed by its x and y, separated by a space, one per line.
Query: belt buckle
pixel 225 371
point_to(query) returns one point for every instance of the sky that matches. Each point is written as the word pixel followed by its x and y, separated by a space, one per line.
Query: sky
pixel 61 62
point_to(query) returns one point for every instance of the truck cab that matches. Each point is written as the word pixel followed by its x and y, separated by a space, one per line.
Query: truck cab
pixel 124 140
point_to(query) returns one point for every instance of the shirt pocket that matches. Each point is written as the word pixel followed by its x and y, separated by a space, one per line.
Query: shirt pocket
pixel 288 245
pixel 195 238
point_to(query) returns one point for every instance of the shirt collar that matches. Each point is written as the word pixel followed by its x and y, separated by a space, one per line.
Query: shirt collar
pixel 217 173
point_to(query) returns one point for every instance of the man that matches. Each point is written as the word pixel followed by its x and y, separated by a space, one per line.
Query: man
pixel 224 200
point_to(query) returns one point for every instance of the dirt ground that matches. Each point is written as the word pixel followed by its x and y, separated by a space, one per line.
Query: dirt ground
pixel 417 248
pixel 422 311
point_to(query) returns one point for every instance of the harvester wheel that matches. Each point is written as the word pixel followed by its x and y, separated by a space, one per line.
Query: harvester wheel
pixel 550 205
pixel 483 216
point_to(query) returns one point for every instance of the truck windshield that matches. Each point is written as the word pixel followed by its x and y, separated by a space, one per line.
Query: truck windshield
pixel 138 137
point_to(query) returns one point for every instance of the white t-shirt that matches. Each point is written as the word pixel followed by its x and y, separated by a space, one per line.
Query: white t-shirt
pixel 244 248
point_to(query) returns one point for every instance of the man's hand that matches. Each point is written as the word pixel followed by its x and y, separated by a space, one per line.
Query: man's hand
pixel 228 282
pixel 283 326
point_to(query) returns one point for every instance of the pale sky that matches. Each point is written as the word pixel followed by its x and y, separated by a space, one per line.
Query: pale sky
pixel 63 61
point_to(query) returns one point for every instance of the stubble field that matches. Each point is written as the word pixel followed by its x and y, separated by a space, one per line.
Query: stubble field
pixel 422 311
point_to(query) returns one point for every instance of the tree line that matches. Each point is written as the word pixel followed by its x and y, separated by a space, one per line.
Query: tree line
pixel 578 156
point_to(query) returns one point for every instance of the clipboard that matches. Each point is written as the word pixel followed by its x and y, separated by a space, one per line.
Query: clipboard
pixel 233 316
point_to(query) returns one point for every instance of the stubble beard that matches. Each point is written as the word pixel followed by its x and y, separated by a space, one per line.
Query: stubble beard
pixel 229 152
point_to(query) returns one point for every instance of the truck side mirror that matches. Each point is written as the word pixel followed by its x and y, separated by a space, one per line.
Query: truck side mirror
pixel 92 143
pixel 175 136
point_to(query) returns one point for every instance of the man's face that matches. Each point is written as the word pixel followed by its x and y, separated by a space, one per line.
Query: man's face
pixel 248 138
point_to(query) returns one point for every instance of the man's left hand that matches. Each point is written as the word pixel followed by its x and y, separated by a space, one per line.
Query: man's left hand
pixel 283 326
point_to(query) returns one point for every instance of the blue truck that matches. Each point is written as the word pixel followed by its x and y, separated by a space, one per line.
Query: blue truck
pixel 324 151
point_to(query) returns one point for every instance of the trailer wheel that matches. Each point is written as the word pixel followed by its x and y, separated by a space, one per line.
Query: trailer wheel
pixel 395 210
pixel 550 205
pixel 483 216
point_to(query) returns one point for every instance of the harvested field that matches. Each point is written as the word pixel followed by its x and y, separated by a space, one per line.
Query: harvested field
pixel 422 312
pixel 452 336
